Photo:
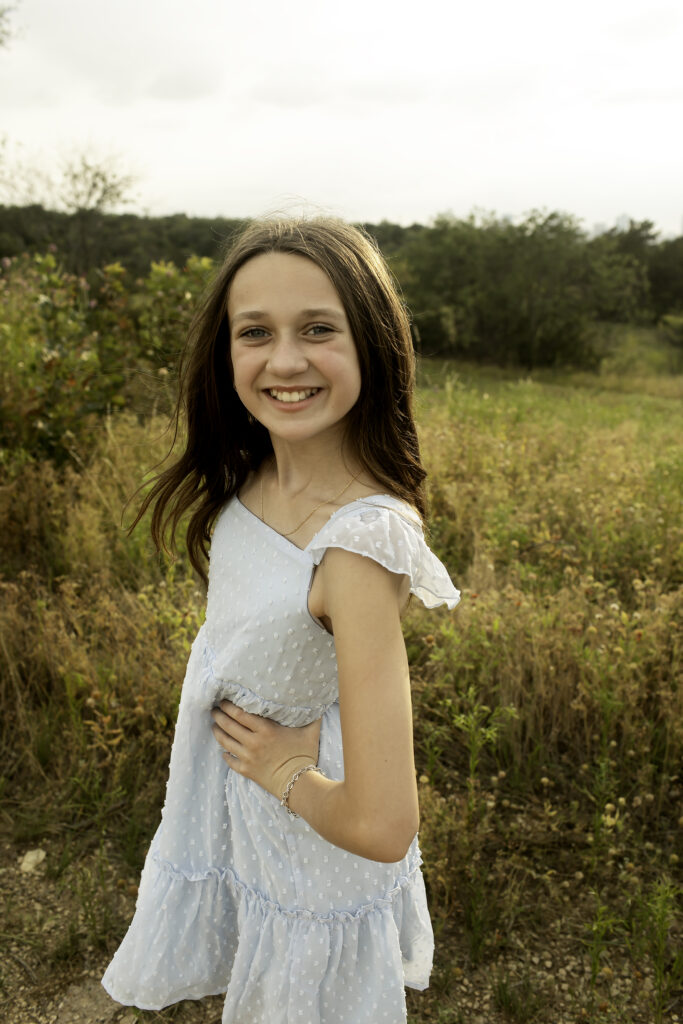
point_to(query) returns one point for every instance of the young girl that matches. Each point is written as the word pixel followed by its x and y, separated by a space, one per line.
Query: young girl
pixel 286 870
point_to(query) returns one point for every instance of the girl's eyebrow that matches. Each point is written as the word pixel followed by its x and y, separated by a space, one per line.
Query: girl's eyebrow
pixel 259 314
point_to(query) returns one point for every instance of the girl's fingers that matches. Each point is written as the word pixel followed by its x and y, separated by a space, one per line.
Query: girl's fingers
pixel 230 725
pixel 224 740
pixel 235 712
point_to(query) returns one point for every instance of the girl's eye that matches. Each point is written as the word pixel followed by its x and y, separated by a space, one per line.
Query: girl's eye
pixel 320 329
pixel 253 332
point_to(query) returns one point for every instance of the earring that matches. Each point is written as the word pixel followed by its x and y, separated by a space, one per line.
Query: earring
pixel 250 419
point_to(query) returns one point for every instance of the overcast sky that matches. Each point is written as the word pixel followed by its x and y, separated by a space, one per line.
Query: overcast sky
pixel 367 108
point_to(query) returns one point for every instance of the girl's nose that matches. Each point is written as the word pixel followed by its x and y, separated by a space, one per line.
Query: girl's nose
pixel 286 357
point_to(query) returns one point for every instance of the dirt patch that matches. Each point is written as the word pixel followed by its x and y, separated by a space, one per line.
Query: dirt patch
pixel 55 942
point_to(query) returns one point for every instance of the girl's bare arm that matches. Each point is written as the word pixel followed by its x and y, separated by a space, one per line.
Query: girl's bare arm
pixel 373 812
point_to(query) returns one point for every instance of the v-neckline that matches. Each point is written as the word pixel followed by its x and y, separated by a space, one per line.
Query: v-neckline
pixel 305 550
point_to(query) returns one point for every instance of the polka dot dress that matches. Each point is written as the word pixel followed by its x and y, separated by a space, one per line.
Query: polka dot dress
pixel 236 895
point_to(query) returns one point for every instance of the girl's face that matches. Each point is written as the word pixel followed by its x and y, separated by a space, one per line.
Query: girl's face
pixel 294 360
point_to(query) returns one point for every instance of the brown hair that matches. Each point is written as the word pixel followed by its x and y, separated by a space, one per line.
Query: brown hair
pixel 224 444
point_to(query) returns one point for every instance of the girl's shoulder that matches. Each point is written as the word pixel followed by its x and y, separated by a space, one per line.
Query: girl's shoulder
pixel 374 506
pixel 388 530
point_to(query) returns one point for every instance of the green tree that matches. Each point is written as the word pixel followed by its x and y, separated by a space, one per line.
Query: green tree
pixel 521 294
pixel 437 270
pixel 637 240
pixel 666 277
pixel 617 286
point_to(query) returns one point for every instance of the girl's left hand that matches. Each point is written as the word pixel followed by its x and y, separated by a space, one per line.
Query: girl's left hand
pixel 263 750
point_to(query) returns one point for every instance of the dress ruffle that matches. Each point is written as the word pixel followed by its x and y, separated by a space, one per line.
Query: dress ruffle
pixel 383 939
pixel 389 531
pixel 227 689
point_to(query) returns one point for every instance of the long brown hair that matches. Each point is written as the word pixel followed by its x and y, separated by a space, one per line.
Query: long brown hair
pixel 224 444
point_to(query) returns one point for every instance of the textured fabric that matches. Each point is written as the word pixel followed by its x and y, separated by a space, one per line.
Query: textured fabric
pixel 236 895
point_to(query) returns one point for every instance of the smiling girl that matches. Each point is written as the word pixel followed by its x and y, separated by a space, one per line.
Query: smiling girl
pixel 286 870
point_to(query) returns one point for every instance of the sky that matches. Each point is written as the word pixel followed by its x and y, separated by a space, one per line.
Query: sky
pixel 368 109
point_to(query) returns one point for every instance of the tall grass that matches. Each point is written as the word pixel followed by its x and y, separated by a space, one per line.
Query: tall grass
pixel 548 708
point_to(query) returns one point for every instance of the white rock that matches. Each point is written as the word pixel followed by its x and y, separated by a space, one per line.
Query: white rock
pixel 31 860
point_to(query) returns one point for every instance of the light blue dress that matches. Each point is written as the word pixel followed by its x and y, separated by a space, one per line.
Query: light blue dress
pixel 236 895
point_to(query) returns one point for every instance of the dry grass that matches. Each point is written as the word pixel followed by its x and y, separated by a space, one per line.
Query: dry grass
pixel 549 830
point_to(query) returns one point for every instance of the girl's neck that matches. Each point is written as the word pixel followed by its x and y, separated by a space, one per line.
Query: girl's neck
pixel 297 490
pixel 297 469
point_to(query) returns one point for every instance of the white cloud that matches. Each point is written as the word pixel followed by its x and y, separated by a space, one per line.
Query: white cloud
pixel 378 110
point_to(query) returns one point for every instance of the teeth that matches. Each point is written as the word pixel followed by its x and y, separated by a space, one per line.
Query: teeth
pixel 292 396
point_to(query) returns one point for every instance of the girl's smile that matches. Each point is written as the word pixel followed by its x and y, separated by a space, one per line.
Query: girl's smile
pixel 292 396
pixel 294 360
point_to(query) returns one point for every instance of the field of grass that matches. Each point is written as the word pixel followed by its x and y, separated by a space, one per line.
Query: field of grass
pixel 548 707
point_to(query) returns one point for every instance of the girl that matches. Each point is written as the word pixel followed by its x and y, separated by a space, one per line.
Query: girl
pixel 286 871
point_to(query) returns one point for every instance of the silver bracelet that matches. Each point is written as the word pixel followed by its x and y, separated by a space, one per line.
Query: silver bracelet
pixel 284 802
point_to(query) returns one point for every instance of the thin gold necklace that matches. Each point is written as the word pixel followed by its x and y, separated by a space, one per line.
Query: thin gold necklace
pixel 314 510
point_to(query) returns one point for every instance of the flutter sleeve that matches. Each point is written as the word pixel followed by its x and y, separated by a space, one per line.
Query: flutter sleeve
pixel 391 535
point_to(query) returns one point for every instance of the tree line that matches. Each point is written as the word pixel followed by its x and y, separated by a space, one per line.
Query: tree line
pixel 483 288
